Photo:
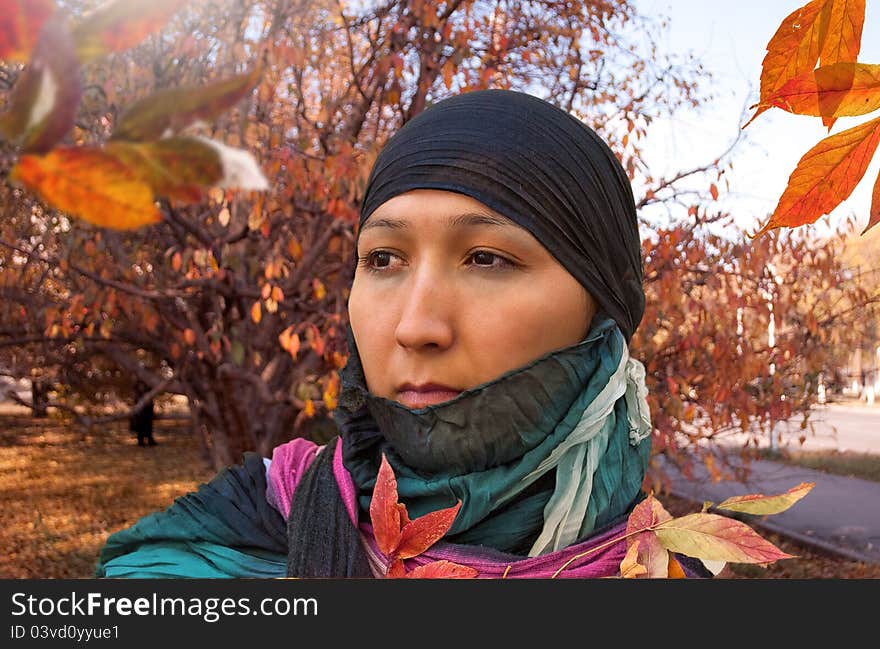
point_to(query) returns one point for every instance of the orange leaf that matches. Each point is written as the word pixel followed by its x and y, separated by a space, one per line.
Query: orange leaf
pixel 396 570
pixel 20 23
pixel 713 189
pixel 874 217
pixel 675 571
pixel 384 514
pixel 795 47
pixel 176 167
pixel 838 90
pixel 189 336
pixel 843 38
pixel 120 25
pixel 176 108
pixel 825 176
pixel 442 569
pixel 420 534
pixel 90 184
pixel 717 538
pixel 256 312
pixel 630 568
pixel 761 505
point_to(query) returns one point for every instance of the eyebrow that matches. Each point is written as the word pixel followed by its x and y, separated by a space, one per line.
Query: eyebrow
pixel 467 219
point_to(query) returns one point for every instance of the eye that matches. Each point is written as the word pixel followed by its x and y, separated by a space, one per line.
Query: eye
pixel 376 261
pixel 485 259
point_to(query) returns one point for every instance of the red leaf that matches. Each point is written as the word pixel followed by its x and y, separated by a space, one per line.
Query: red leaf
pixel 120 25
pixel 396 570
pixel 442 570
pixel 825 176
pixel 46 96
pixel 20 24
pixel 421 533
pixel 384 513
pixel 650 554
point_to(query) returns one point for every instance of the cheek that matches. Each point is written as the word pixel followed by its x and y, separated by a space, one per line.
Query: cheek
pixel 370 327
pixel 515 327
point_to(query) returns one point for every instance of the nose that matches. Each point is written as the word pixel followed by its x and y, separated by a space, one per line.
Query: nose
pixel 426 312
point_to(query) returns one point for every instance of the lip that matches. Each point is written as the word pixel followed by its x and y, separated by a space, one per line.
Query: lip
pixel 426 394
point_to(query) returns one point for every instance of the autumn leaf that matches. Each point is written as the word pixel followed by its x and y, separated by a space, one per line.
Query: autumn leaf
pixel 120 25
pixel 795 47
pixel 651 554
pixel 400 538
pixel 45 97
pixel 20 24
pixel 630 568
pixel 384 513
pixel 825 176
pixel 675 571
pixel 841 89
pixel 761 505
pixel 874 217
pixel 717 538
pixel 843 36
pixel 181 168
pixel 170 111
pixel 442 569
pixel 91 184
pixel 420 534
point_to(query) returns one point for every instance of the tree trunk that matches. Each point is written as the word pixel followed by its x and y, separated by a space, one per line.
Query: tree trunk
pixel 39 398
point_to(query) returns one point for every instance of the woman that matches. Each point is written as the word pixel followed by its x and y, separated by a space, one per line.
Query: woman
pixel 498 284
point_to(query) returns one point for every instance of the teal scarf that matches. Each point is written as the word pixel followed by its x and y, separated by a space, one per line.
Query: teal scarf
pixel 540 457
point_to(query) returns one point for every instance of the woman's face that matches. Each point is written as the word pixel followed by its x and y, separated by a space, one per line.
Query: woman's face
pixel 451 293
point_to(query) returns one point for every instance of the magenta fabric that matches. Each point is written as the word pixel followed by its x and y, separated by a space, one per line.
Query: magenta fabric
pixel 289 463
pixel 602 553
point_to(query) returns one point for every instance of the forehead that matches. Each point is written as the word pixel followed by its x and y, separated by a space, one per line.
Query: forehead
pixel 431 209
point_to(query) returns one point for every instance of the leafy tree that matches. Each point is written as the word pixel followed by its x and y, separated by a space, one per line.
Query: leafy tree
pixel 236 298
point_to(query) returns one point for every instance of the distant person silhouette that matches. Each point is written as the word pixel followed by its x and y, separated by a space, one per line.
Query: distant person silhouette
pixel 141 420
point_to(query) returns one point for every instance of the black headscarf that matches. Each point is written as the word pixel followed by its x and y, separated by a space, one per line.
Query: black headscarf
pixel 540 167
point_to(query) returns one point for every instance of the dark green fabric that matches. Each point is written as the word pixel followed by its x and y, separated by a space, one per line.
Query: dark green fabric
pixel 321 539
pixel 225 529
pixel 479 447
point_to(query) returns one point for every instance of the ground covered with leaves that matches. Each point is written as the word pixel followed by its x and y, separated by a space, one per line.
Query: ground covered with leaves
pixel 63 492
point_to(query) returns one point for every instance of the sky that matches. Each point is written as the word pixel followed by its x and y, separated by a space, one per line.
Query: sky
pixel 730 38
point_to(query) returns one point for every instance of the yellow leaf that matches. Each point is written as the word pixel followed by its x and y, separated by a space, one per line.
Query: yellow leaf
pixel 717 538
pixel 310 408
pixel 90 184
pixel 630 568
pixel 761 505
pixel 318 289
pixel 294 248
